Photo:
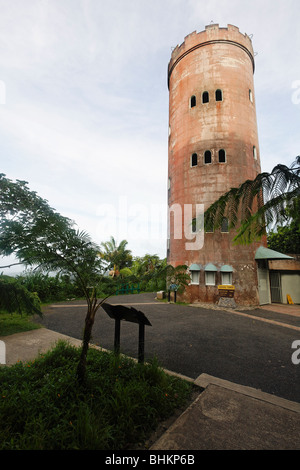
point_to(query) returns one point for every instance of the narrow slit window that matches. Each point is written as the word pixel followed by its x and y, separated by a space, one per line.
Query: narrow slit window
pixel 250 96
pixel 193 101
pixel 207 156
pixel 194 159
pixel 254 153
pixel 194 225
pixel 222 156
pixel 219 95
pixel 209 228
pixel 205 97
pixel 224 226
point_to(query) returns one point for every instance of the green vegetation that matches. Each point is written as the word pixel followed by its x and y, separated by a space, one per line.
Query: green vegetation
pixel 42 406
pixel 286 238
pixel 51 288
pixel 269 201
pixel 74 398
pixel 11 323
pixel 15 297
pixel 41 238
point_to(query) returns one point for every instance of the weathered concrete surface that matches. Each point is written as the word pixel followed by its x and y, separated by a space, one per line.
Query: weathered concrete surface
pixel 226 419
pixel 27 346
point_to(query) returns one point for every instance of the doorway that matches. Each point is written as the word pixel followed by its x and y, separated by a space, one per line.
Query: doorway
pixel 275 287
pixel 263 284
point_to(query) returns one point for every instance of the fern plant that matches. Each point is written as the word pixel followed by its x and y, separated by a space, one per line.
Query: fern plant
pixel 257 205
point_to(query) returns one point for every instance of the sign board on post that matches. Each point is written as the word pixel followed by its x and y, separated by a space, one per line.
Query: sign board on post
pixel 120 312
pixel 174 288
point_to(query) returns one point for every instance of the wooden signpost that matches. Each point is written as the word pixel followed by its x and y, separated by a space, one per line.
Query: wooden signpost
pixel 120 312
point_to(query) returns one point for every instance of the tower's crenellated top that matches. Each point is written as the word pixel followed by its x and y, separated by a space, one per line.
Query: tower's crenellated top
pixel 212 34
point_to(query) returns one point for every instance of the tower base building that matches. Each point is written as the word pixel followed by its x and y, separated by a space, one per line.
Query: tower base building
pixel 213 147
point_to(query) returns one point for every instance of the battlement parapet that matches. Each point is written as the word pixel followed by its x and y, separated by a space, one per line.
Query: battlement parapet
pixel 211 35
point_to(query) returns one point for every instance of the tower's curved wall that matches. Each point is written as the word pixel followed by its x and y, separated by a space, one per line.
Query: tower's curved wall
pixel 213 146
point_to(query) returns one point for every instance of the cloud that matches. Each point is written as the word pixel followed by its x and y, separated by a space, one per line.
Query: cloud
pixel 85 117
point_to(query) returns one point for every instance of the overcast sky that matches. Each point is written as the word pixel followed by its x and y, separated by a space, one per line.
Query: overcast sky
pixel 84 101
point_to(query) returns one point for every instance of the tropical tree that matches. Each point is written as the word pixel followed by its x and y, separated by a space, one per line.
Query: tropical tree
pixel 147 263
pixel 150 270
pixel 177 276
pixel 116 256
pixel 16 298
pixel 286 238
pixel 39 236
pixel 258 205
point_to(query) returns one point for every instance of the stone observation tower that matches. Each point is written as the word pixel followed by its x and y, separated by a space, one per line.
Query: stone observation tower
pixel 213 147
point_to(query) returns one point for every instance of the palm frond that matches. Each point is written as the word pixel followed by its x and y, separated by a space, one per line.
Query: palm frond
pixel 257 204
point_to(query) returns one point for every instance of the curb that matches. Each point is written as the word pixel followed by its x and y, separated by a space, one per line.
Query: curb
pixel 204 380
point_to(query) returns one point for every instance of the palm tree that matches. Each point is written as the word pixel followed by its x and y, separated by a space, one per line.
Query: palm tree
pixel 256 205
pixel 116 256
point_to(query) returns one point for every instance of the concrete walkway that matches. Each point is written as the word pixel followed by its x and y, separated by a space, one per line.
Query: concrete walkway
pixel 225 416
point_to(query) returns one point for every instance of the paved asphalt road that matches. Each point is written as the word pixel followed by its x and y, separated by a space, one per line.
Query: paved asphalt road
pixel 191 341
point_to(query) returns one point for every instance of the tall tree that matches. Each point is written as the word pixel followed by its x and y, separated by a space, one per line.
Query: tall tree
pixel 116 256
pixel 260 204
pixel 39 236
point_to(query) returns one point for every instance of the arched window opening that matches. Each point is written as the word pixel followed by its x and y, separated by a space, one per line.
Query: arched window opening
pixel 207 156
pixel 194 225
pixel 194 159
pixel 250 96
pixel 222 156
pixel 224 226
pixel 219 95
pixel 209 228
pixel 205 97
pixel 193 101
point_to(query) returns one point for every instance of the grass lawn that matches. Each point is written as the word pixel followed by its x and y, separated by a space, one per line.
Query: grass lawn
pixel 42 406
pixel 11 323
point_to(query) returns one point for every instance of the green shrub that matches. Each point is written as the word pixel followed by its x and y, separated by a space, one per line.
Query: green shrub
pixel 43 407
pixel 50 288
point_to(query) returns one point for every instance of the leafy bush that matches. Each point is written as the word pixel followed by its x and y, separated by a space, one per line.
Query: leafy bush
pixel 42 406
pixel 15 297
pixel 50 288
